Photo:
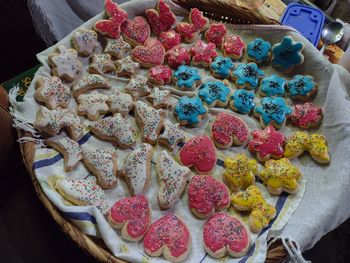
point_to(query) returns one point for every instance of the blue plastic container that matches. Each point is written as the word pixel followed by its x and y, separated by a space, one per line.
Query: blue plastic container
pixel 307 20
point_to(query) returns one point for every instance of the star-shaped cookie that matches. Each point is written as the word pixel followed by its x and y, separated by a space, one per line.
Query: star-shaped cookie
pixel 84 41
pixel 160 98
pixel 138 87
pixel 127 67
pixel 92 105
pixel 117 47
pixel 101 63
pixel 171 135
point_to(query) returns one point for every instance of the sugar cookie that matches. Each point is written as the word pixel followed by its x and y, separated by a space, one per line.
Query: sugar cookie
pixel 88 82
pixel 84 41
pixel 171 135
pixel 190 111
pixel 169 39
pixel 186 78
pixel 221 67
pixel 136 31
pixel 233 47
pixel 203 53
pixel 215 93
pixel 160 98
pixel 247 75
pixel 92 105
pixel 117 48
pixel 273 86
pixel 216 34
pixel 242 101
pixel 177 56
pixel 126 67
pixel 137 87
pixel 161 18
pixel 100 64
pixel 160 75
pixel 302 87
pixel 306 115
pixel 259 50
pixel 150 54
pixel 120 102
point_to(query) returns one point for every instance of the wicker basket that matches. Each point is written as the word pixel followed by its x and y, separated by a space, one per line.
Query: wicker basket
pixel 221 10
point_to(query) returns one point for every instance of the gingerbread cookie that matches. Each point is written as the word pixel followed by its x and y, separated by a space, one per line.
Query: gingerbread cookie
pixel 152 53
pixel 171 135
pixel 92 105
pixel 120 102
pixel 242 101
pixel 101 63
pixel 160 75
pixel 117 48
pixel 221 67
pixel 169 39
pixel 302 87
pixel 247 75
pixel 126 67
pixel 177 56
pixel 233 47
pixel 161 18
pixel 160 98
pixel 88 82
pixel 306 115
pixel 259 50
pixel 272 86
pixel 84 41
pixel 215 93
pixel 136 31
pixel 203 53
pixel 216 34
pixel 190 111
pixel 137 87
pixel 186 78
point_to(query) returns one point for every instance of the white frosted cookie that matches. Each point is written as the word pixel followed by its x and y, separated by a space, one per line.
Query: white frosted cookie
pixel 171 135
pixel 120 102
pixel 127 67
pixel 160 98
pixel 88 82
pixel 117 47
pixel 101 63
pixel 138 87
pixel 84 41
pixel 92 105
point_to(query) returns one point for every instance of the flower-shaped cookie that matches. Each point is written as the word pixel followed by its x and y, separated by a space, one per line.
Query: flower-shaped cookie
pixel 177 56
pixel 221 67
pixel 216 33
pixel 233 47
pixel 272 86
pixel 242 101
pixel 247 75
pixel 214 93
pixel 261 213
pixel 160 75
pixel 240 172
pixel 306 115
pixel 280 175
pixel 186 78
pixel 259 50
pixel 272 111
pixel 203 53
pixel 190 110
pixel 302 87
pixel 169 39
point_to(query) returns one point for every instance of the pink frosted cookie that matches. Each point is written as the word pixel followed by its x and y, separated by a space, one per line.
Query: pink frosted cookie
pixel 120 102
pixel 267 143
pixel 168 236
pixel 89 82
pixel 177 56
pixel 228 129
pixel 101 63
pixel 117 48
pixel 169 39
pixel 203 53
pixel 224 234
pixel 216 34
pixel 207 195
pixel 136 31
pixel 199 152
pixel 160 98
pixel 160 19
pixel 160 75
pixel 92 105
pixel 132 215
pixel 171 135
pixel 306 115
pixel 84 41
pixel 150 54
pixel 233 47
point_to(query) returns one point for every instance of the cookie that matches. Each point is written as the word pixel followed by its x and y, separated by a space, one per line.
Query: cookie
pixel 136 31
pixel 120 102
pixel 240 172
pixel 64 63
pixel 150 54
pixel 111 27
pixel 103 164
pixel 272 111
pixel 137 87
pixel 92 105
pixel 126 67
pixel 203 53
pixel 168 236
pixel 224 234
pixel 200 153
pixel 267 143
pixel 177 56
pixel 137 169
pixel 172 179
pixel 251 200
pixel 242 101
pixel 287 54
pixel 169 39
pixel 259 50
pixel 117 48
pixel 186 78
pixel 149 120
pixel 302 87
pixel 190 111
pixel 160 75
pixel 233 47
pixel 89 82
pixel 227 129
pixel 70 150
pixel 84 41
pixel 160 98
pixel 100 64
pixel 115 128
pixel 221 67
pixel 171 135
pixel 247 75
pixel 207 195
pixel 132 215
pixel 272 86
pixel 215 93
pixel 216 34
pixel 280 175
pixel 52 92
pixel 306 115
pixel 52 121
pixel 161 18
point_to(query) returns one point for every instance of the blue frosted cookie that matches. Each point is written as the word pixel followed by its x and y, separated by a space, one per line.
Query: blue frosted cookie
pixel 259 50
pixel 186 78
pixel 221 67
pixel 302 87
pixel 242 101
pixel 272 111
pixel 190 111
pixel 214 93
pixel 287 54
pixel 272 86
pixel 247 75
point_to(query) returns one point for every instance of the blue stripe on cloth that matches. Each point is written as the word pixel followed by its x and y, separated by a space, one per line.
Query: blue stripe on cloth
pixel 81 216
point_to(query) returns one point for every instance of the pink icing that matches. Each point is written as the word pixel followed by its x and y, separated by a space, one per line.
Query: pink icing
pixel 151 53
pixel 114 11
pixel 197 19
pixel 178 56
pixel 200 153
pixel 267 141
pixel 168 231
pixel 216 33
pixel 137 29
pixel 305 115
pixel 186 30
pixel 162 20
pixel 221 230
pixel 135 210
pixel 226 126
pixel 169 39
pixel 161 73
pixel 205 193
pixel 233 45
pixel 203 52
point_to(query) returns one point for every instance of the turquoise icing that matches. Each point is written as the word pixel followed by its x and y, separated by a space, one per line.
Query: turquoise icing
pixel 222 66
pixel 301 85
pixel 273 109
pixel 188 109
pixel 273 86
pixel 259 49
pixel 248 73
pixel 211 91
pixel 287 53
pixel 186 76
pixel 243 101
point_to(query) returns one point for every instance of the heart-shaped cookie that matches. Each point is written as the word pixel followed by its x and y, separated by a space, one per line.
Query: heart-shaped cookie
pixel 223 234
pixel 136 31
pixel 161 19
pixel 199 152
pixel 132 215
pixel 168 236
pixel 150 54
pixel 206 194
